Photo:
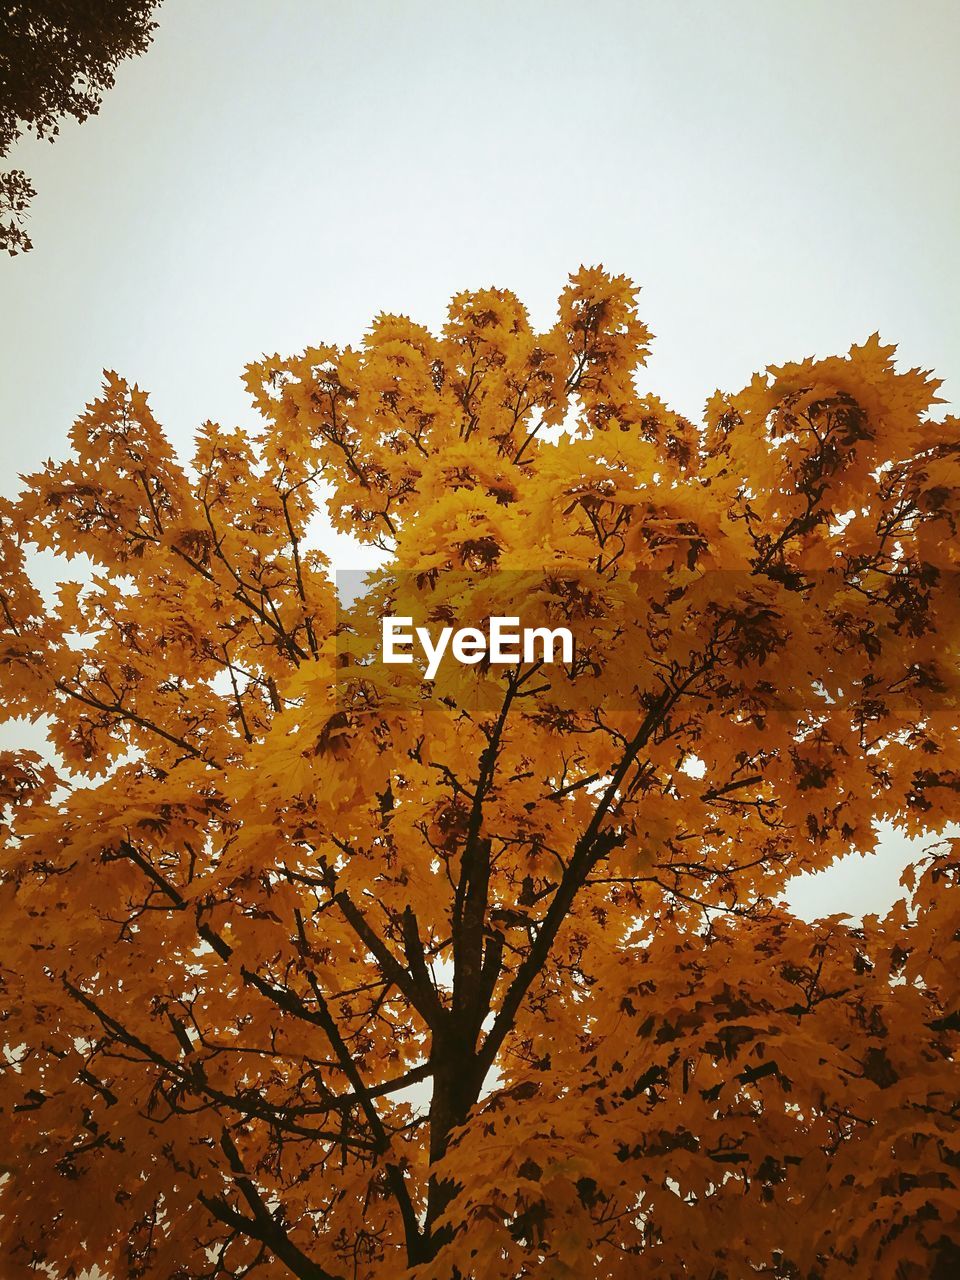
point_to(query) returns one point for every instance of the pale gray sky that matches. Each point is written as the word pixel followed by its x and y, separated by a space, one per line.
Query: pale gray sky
pixel 781 178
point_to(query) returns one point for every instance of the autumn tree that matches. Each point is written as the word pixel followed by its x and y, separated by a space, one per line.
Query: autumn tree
pixel 57 59
pixel 313 967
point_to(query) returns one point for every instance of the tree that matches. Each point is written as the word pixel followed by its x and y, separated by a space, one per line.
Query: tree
pixel 57 58
pixel 317 968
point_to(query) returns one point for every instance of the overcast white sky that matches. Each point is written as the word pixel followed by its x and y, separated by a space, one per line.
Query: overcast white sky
pixel 781 178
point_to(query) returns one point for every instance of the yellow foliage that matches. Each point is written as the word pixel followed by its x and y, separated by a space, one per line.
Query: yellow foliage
pixel 315 966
